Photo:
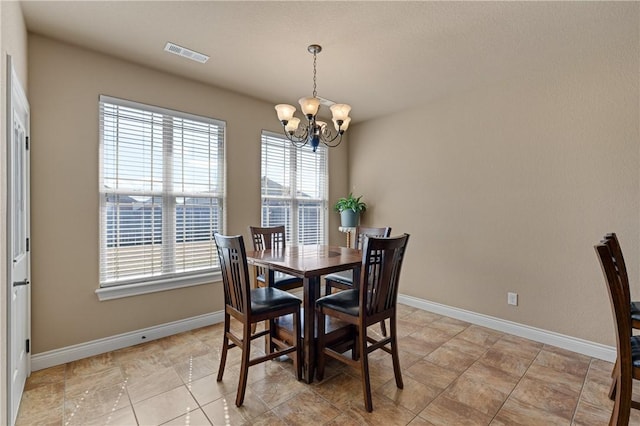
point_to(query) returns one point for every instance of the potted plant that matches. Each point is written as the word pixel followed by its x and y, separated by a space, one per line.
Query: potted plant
pixel 350 209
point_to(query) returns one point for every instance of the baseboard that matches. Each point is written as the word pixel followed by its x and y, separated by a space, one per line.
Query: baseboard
pixel 95 347
pixel 585 347
pixel 83 350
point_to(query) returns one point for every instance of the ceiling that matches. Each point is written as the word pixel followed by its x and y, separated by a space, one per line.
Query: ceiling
pixel 380 57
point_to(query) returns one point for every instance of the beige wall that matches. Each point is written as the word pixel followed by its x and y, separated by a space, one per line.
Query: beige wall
pixel 65 83
pixel 13 41
pixel 508 187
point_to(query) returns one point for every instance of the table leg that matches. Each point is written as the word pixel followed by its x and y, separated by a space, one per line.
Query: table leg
pixel 269 279
pixel 311 294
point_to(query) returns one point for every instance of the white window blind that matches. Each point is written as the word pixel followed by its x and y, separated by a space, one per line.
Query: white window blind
pixel 294 189
pixel 161 192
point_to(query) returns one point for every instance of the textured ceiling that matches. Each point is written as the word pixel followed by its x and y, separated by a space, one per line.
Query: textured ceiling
pixel 380 57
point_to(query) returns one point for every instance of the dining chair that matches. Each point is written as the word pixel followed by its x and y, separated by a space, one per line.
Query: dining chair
pixel 373 301
pixel 627 365
pixel 616 251
pixel 250 306
pixel 267 238
pixel 611 240
pixel 343 280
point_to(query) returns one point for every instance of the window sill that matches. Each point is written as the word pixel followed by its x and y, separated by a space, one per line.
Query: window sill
pixel 127 290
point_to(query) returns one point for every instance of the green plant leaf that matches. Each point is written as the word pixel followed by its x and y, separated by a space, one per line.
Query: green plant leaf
pixel 350 203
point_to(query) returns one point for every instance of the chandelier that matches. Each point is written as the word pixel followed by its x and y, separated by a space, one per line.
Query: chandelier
pixel 315 131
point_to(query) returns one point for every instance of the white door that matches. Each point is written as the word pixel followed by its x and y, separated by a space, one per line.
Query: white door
pixel 19 292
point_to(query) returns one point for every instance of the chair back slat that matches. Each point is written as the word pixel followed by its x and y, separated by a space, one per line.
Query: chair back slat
pixel 235 272
pixel 266 238
pixel 619 302
pixel 362 231
pixel 380 272
pixel 611 240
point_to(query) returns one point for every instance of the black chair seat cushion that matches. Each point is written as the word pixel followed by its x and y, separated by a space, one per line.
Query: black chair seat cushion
pixel 346 277
pixel 635 350
pixel 345 301
pixel 635 311
pixel 265 299
pixel 281 279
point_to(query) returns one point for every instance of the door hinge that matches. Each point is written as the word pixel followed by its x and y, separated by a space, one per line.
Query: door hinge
pixel 26 139
pixel 28 345
pixel 27 244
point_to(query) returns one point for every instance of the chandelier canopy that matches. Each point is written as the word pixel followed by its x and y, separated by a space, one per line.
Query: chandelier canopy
pixel 314 131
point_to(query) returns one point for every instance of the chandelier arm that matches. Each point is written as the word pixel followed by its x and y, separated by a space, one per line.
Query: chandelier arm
pixel 295 138
pixel 330 143
pixel 299 144
pixel 327 136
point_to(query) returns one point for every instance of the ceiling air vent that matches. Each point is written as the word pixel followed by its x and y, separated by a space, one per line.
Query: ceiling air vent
pixel 186 53
pixel 326 102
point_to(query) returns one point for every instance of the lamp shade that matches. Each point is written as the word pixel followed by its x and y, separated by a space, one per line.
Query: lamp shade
pixel 345 124
pixel 292 125
pixel 285 112
pixel 309 106
pixel 340 111
pixel 321 124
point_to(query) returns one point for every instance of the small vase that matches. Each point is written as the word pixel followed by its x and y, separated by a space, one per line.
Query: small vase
pixel 349 218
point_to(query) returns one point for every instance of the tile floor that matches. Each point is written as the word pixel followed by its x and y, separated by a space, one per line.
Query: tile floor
pixel 454 373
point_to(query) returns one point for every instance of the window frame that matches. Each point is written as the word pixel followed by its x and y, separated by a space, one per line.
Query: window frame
pixel 293 225
pixel 165 280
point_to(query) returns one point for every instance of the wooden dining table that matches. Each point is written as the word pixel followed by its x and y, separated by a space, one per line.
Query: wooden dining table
pixel 310 263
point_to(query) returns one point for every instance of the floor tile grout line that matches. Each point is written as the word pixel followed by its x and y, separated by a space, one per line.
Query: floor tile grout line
pixel 552 368
pixel 133 410
pixel 584 382
pixel 461 373
pixel 64 395
pixel 585 388
pixel 517 383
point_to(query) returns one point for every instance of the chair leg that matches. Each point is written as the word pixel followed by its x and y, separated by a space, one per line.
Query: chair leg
pixel 623 397
pixel 612 389
pixel 383 328
pixel 364 368
pixel 355 349
pixel 320 357
pixel 254 325
pixel 269 346
pixel 299 360
pixel 621 412
pixel 225 346
pixel 614 382
pixel 395 355
pixel 244 368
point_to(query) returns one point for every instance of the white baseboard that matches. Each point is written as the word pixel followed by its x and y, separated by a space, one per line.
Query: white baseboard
pixel 96 347
pixel 585 347
pixel 108 344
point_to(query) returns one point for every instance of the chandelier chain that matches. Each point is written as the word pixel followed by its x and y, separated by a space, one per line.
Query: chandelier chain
pixel 314 75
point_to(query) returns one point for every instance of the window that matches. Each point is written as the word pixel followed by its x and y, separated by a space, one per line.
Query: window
pixel 294 189
pixel 161 193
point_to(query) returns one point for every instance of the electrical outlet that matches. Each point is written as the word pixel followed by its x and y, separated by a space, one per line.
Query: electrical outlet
pixel 512 298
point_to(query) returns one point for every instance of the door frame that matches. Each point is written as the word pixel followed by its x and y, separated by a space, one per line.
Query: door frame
pixel 15 96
